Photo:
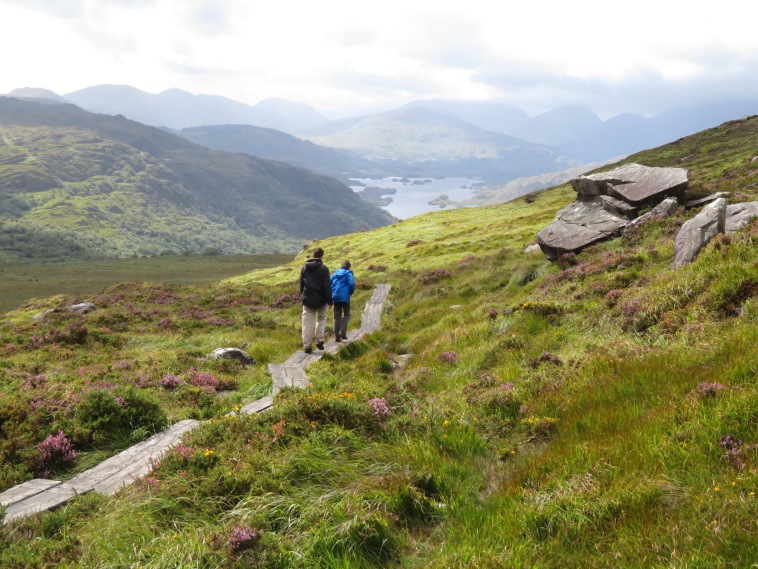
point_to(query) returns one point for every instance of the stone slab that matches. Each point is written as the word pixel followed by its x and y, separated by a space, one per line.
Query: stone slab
pixel 634 183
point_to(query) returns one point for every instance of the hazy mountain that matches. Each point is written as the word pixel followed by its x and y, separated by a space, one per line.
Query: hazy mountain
pixel 559 126
pixel 276 145
pixel 115 187
pixel 401 142
pixel 303 117
pixel 37 94
pixel 178 109
pixel 628 133
pixel 578 132
pixel 416 141
pixel 496 117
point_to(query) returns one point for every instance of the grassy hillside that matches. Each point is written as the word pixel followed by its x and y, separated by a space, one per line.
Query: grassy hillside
pixel 597 414
pixel 22 281
pixel 75 184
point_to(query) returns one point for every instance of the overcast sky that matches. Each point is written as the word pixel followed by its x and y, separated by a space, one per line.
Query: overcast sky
pixel 349 57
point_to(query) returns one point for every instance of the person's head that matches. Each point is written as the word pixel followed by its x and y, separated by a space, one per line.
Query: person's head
pixel 345 264
pixel 318 252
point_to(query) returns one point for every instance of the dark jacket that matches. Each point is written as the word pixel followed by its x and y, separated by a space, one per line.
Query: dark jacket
pixel 315 284
pixel 343 285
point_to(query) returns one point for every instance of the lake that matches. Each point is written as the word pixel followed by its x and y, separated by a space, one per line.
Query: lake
pixel 412 195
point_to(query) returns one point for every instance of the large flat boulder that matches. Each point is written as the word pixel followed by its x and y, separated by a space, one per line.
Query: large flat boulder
pixel 577 226
pixel 634 184
pixel 608 202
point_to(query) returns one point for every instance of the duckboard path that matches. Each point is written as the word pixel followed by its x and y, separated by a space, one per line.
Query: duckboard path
pixel 38 495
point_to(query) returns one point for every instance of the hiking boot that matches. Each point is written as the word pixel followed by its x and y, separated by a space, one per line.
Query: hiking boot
pixel 308 350
pixel 344 337
pixel 320 345
pixel 338 338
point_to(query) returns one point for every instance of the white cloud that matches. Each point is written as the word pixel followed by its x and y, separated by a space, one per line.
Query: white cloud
pixel 339 53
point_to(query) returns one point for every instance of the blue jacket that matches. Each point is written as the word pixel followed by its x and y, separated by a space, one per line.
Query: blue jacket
pixel 343 285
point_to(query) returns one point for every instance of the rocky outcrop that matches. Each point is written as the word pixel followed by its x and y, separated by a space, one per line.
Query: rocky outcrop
pixel 698 231
pixel 608 202
pixel 577 226
pixel 738 215
pixel 634 184
pixel 81 308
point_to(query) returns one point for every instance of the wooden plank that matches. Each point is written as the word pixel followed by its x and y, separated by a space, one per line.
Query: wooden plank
pixel 257 406
pixel 49 499
pixel 109 476
pixel 26 490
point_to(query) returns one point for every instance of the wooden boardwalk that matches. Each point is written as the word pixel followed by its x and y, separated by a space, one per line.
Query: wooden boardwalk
pixel 109 476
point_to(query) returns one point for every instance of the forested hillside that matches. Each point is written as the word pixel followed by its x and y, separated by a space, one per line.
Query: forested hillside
pixel 75 184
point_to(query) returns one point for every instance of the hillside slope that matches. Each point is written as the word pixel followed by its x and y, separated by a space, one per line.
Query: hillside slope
pixel 108 186
pixel 510 413
pixel 418 142
pixel 276 145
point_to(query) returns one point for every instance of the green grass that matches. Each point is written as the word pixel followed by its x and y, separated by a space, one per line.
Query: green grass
pixel 22 281
pixel 604 415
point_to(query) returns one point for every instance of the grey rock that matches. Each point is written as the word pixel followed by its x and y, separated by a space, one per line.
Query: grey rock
pixel 532 248
pixel 577 226
pixel 663 209
pixel 47 312
pixel 619 207
pixel 739 215
pixel 635 184
pixel 705 200
pixel 608 202
pixel 82 308
pixel 231 353
pixel 698 231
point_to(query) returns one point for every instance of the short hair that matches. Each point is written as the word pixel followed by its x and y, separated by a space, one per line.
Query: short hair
pixel 345 264
pixel 318 252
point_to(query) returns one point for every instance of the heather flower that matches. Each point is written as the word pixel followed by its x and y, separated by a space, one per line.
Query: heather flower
pixel 185 452
pixel 708 389
pixel 243 537
pixel 170 381
pixel 379 406
pixel 57 450
pixel 449 357
pixel 492 313
pixel 203 379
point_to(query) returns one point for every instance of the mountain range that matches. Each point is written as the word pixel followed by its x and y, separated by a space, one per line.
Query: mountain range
pixel 78 183
pixel 441 138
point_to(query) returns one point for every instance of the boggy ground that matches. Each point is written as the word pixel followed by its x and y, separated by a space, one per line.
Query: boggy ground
pixel 599 413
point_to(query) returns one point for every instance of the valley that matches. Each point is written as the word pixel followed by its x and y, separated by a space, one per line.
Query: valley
pixel 22 281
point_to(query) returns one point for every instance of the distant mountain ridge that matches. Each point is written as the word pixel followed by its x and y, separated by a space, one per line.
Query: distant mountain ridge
pixel 277 145
pixel 176 109
pixel 115 188
pixel 417 141
pixel 397 143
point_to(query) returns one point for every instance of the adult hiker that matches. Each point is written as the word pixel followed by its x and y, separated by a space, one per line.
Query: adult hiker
pixel 316 295
pixel 343 286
